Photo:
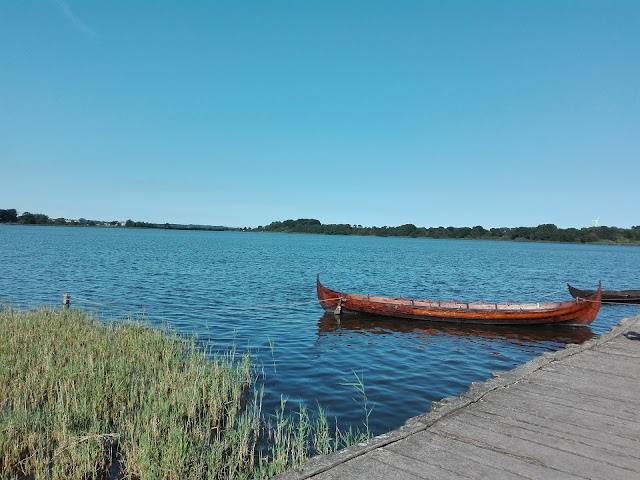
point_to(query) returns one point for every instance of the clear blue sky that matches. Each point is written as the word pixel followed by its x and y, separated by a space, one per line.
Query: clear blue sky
pixel 240 113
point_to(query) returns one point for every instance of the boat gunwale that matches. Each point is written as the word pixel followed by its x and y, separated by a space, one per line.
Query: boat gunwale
pixel 480 306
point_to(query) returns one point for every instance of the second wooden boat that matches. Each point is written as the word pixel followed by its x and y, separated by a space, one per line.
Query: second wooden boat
pixel 578 312
pixel 608 296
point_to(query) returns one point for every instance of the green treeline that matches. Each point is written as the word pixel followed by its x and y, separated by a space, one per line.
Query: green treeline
pixel 27 218
pixel 541 233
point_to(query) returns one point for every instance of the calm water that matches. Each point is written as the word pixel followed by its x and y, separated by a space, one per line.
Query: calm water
pixel 257 291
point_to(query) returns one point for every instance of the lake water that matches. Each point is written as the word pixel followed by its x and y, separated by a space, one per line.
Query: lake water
pixel 257 291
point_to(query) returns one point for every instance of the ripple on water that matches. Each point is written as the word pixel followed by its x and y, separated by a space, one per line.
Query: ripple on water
pixel 256 293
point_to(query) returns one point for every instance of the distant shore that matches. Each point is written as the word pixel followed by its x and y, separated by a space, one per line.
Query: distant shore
pixel 542 233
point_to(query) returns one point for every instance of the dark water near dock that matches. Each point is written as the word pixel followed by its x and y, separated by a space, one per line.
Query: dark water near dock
pixel 257 291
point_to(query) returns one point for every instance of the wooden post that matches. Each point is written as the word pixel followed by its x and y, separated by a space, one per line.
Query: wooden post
pixel 66 300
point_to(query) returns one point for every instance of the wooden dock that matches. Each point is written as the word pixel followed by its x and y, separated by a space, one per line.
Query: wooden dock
pixel 572 414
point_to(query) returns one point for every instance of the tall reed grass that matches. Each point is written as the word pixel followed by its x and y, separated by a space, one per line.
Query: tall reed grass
pixel 81 399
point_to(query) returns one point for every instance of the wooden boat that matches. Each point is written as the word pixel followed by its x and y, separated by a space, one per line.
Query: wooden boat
pixel 608 296
pixel 581 311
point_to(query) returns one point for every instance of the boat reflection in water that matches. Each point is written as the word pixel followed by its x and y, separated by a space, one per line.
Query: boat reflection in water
pixel 331 325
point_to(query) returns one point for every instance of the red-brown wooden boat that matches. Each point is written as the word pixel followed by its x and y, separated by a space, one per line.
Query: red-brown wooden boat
pixel 581 311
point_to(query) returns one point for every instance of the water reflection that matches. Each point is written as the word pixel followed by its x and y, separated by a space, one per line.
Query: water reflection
pixel 330 325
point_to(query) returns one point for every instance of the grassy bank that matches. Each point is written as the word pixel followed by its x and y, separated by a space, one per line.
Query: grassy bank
pixel 80 399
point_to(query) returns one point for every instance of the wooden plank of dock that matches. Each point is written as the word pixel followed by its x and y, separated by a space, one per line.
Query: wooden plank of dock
pixel 572 414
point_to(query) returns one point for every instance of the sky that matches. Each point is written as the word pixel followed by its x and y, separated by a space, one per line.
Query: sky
pixel 375 113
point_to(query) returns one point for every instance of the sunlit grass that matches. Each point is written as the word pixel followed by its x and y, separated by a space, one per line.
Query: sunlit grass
pixel 80 399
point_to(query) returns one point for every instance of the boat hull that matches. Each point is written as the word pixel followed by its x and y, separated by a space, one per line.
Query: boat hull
pixel 608 296
pixel 579 312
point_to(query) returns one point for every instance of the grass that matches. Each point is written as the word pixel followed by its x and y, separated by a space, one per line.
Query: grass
pixel 81 399
pixel 359 387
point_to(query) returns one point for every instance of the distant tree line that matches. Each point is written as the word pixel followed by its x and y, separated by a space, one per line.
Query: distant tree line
pixel 27 218
pixel 541 233
pixel 11 216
